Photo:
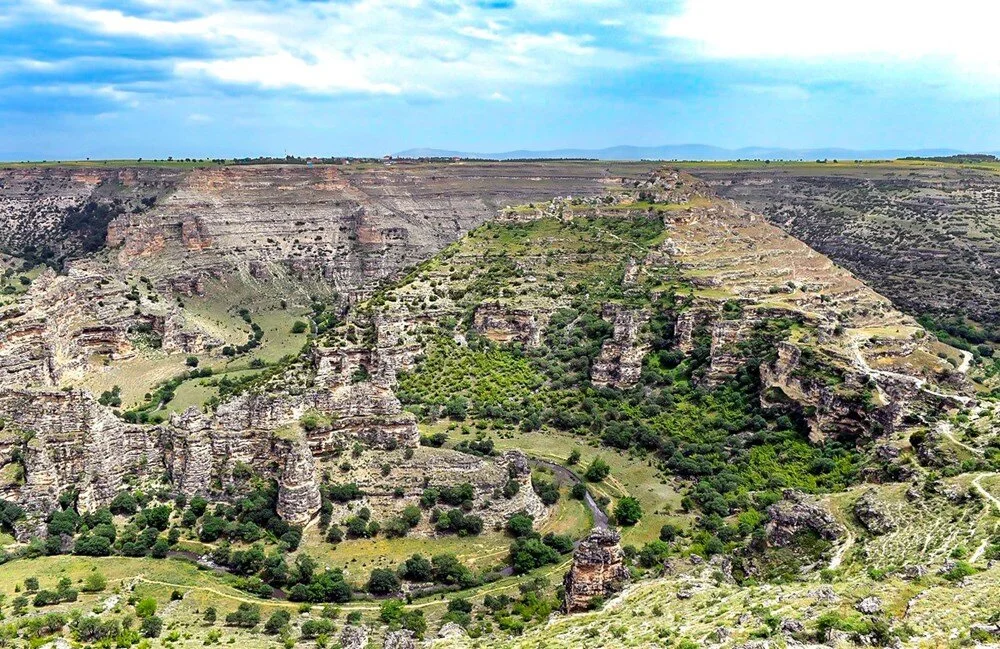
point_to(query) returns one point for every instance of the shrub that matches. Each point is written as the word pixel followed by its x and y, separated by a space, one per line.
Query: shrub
pixel 246 616
pixel 145 607
pixel 416 568
pixel 94 583
pixel 299 327
pixel 277 622
pixel 668 532
pixel 598 470
pixel 520 525
pixel 314 628
pixel 382 582
pixel 628 511
pixel 151 627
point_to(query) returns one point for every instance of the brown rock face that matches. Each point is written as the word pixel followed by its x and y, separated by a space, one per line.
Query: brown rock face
pixel 794 514
pixel 66 440
pixel 347 226
pixel 620 362
pixel 504 324
pixel 597 570
pixel 65 322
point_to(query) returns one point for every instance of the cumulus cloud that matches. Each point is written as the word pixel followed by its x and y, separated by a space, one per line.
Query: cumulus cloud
pixel 496 48
pixel 365 46
pixel 959 32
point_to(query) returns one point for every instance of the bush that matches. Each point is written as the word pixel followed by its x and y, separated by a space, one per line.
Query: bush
pixel 146 607
pixel 458 522
pixel 314 628
pixel 579 491
pixel 526 554
pixel 94 583
pixel 416 568
pixel 669 532
pixel 277 622
pixel 960 570
pixel 598 470
pixel 124 504
pixel 299 327
pixel 246 616
pixel 382 582
pixel 548 492
pixel 151 627
pixel 520 525
pixel 628 511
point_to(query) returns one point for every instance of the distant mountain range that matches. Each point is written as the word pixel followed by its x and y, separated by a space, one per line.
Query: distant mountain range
pixel 688 152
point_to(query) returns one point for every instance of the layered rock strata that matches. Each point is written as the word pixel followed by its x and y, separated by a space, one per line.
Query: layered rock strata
pixel 598 570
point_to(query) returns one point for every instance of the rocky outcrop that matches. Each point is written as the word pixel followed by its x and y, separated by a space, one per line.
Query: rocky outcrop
pixel 401 639
pixel 871 514
pixel 65 440
pixel 354 637
pixel 392 480
pixel 869 606
pixel 63 212
pixel 298 489
pixel 65 324
pixel 619 363
pixel 504 324
pixel 598 570
pixel 794 514
pixel 345 225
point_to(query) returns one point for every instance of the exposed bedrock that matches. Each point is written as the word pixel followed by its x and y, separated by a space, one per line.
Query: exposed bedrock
pixel 619 363
pixel 598 570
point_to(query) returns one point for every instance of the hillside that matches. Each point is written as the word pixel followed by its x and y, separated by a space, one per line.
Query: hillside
pixel 520 404
pixel 923 234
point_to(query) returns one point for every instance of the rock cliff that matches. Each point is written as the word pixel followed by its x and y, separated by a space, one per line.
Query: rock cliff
pixel 597 572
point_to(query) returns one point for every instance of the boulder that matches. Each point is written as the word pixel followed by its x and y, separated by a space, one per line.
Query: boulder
pixel 871 514
pixel 354 637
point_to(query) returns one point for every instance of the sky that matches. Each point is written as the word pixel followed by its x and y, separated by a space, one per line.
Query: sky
pixel 225 78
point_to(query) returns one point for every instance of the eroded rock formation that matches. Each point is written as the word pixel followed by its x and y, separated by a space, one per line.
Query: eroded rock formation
pixel 620 362
pixel 598 570
pixel 794 514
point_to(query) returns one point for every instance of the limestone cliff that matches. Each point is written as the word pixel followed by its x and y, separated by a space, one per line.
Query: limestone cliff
pixel 598 570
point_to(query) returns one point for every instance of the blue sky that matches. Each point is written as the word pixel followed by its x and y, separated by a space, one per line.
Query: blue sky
pixel 151 78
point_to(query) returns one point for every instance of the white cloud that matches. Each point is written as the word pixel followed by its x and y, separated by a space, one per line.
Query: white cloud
pixel 498 96
pixel 368 46
pixel 962 33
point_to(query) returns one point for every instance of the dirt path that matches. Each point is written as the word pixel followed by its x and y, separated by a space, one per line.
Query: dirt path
pixel 838 557
pixel 944 428
pixel 983 492
pixel 919 383
pixel 966 361
pixel 348 606
pixel 600 518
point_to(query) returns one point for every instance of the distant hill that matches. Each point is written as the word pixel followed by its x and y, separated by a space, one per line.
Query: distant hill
pixel 688 152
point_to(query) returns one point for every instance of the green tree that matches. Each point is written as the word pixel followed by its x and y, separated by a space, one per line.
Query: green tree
pixel 598 470
pixel 628 511
pixel 382 581
pixel 145 607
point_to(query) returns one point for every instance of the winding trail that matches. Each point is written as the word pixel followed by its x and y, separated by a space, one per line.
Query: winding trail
pixel 600 518
pixel 838 557
pixel 945 430
pixel 349 606
pixel 983 492
pixel 918 382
